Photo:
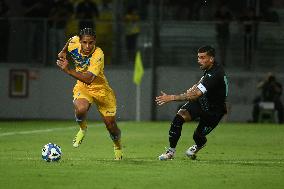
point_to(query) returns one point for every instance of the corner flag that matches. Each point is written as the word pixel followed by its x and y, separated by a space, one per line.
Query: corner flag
pixel 138 69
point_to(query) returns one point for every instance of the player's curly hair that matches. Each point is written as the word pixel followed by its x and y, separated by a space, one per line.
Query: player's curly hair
pixel 87 31
pixel 208 49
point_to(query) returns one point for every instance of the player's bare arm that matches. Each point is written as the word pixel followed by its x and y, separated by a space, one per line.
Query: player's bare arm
pixel 164 98
pixel 63 52
pixel 87 77
pixel 191 94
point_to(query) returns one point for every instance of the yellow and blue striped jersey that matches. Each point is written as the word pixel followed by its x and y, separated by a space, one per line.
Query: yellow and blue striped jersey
pixel 93 63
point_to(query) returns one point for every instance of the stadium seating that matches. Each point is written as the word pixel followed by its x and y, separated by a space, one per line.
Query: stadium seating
pixel 266 112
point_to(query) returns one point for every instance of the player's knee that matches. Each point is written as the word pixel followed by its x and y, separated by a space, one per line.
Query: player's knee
pixel 81 106
pixel 185 114
pixel 81 109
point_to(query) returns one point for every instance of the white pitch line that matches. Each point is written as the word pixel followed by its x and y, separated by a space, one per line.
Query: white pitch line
pixel 35 131
pixel 46 130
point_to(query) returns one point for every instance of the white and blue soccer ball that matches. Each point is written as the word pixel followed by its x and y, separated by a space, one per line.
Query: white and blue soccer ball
pixel 51 152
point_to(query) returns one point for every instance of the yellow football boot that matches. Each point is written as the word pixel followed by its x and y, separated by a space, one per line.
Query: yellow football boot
pixel 117 154
pixel 78 138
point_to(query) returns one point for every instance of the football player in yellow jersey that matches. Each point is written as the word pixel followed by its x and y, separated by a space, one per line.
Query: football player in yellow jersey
pixel 92 85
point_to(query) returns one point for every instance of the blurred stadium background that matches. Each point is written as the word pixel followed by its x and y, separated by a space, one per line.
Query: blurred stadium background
pixel 169 33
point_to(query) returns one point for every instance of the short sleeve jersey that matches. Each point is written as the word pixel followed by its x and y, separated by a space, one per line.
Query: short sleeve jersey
pixel 214 86
pixel 93 63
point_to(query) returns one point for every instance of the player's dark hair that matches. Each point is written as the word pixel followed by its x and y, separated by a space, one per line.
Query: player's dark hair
pixel 208 49
pixel 87 31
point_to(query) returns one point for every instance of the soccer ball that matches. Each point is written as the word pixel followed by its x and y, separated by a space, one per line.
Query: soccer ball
pixel 51 152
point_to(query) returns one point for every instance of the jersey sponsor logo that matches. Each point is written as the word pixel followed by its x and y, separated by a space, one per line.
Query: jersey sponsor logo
pixel 109 112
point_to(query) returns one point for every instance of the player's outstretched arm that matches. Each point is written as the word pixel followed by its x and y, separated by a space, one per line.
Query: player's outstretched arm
pixel 191 94
pixel 164 98
pixel 87 77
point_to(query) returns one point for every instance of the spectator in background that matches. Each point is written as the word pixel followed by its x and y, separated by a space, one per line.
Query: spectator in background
pixel 223 18
pixel 271 91
pixel 249 23
pixel 37 9
pixel 60 13
pixel 267 10
pixel 104 29
pixel 132 32
pixel 182 11
pixel 58 17
pixel 203 10
pixel 271 15
pixel 4 32
pixel 87 11
pixel 33 11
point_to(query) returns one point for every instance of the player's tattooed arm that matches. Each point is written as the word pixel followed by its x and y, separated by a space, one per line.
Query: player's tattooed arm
pixel 191 94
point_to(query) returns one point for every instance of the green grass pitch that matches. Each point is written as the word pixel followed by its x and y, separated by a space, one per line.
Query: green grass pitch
pixel 236 156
